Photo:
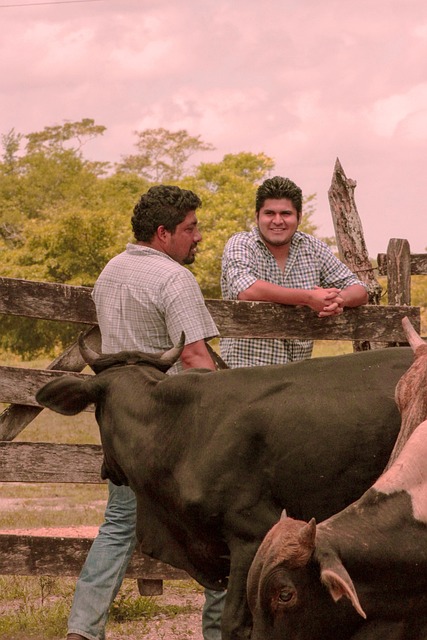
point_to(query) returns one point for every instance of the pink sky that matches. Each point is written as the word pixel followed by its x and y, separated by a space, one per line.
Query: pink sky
pixel 304 81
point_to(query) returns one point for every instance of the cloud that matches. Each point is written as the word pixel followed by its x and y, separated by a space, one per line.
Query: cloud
pixel 304 82
pixel 402 114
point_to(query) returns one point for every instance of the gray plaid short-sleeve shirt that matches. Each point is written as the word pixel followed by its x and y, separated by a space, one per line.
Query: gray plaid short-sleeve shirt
pixel 144 300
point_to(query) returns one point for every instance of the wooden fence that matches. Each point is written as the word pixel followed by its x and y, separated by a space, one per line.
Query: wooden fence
pixel 43 462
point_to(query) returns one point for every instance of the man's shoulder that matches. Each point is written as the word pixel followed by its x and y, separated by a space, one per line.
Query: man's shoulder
pixel 242 238
pixel 156 267
pixel 309 241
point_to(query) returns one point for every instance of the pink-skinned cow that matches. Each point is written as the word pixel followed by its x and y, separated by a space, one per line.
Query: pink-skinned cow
pixel 362 573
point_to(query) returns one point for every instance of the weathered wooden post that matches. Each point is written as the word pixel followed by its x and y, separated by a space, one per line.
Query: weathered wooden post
pixel 398 272
pixel 350 239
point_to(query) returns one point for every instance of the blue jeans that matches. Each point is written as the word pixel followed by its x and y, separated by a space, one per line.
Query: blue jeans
pixel 211 615
pixel 105 568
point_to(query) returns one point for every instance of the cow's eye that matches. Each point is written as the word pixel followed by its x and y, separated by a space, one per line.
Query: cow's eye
pixel 287 597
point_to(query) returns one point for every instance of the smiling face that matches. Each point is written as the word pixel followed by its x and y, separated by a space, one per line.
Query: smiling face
pixel 181 244
pixel 277 221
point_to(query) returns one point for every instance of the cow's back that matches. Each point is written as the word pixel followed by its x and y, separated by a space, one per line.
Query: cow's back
pixel 310 436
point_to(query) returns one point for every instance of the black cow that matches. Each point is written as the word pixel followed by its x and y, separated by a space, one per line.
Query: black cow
pixel 214 457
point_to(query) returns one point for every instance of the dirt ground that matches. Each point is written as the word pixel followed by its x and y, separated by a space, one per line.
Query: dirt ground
pixel 186 626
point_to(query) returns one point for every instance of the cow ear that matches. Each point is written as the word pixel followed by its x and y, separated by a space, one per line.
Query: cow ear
pixel 340 584
pixel 64 395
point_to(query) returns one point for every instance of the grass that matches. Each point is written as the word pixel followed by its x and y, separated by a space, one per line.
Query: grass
pixel 323 348
pixel 38 608
pixel 28 506
pixel 32 607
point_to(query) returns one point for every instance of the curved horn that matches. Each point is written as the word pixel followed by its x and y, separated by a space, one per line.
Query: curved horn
pixel 88 355
pixel 413 338
pixel 173 354
pixel 307 535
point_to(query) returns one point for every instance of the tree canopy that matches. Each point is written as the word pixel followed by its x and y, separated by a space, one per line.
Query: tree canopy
pixel 63 217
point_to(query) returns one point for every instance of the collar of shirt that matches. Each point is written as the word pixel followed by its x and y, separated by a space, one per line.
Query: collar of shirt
pixel 141 249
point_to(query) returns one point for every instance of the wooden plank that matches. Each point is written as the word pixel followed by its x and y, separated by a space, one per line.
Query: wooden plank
pixel 351 241
pixel 47 300
pixel 16 417
pixel 376 323
pixel 234 318
pixel 263 319
pixel 150 587
pixel 19 385
pixel 54 556
pixel 349 232
pixel 50 462
pixel 418 264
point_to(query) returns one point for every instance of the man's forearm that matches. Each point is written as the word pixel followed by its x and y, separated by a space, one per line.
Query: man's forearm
pixel 196 356
pixel 354 295
pixel 263 291
pixel 317 299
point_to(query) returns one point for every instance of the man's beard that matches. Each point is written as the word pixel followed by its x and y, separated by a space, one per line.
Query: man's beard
pixel 189 259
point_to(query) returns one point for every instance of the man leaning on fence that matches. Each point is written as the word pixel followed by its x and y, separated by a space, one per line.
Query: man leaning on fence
pixel 274 262
pixel 144 299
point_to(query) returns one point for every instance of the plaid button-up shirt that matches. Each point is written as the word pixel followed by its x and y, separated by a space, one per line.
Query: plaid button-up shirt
pixel 144 300
pixel 246 259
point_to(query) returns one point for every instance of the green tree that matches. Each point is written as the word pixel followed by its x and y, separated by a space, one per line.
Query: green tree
pixel 119 193
pixel 62 218
pixel 10 143
pixel 70 135
pixel 39 187
pixel 45 176
pixel 162 155
pixel 74 248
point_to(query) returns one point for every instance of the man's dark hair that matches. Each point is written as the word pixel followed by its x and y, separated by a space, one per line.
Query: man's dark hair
pixel 277 188
pixel 162 205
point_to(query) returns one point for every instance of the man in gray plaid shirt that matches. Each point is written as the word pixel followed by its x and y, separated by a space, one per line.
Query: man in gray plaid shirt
pixel 144 299
pixel 274 262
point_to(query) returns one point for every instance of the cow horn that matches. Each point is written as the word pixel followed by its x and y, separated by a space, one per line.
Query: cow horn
pixel 88 354
pixel 173 354
pixel 307 535
pixel 413 338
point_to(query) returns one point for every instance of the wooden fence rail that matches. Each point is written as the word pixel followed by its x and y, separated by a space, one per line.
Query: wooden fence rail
pixel 43 462
pixel 235 319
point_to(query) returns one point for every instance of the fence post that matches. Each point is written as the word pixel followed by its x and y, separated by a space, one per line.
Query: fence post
pixel 398 272
pixel 350 239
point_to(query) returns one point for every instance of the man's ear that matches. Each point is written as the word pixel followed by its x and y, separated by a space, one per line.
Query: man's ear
pixel 162 233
